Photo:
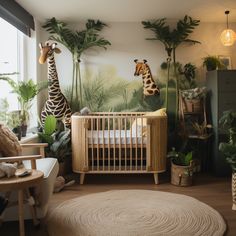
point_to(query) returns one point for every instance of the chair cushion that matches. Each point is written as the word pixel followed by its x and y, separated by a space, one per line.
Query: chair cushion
pixel 46 165
pixel 9 145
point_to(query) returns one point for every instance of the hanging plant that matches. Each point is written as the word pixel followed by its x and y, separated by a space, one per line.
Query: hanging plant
pixel 77 42
pixel 171 39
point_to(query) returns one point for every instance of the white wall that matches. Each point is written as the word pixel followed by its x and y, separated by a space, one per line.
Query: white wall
pixel 128 42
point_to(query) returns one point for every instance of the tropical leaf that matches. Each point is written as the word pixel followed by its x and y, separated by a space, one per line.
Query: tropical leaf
pixel 50 125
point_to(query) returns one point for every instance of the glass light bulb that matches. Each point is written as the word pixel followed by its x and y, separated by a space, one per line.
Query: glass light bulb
pixel 228 37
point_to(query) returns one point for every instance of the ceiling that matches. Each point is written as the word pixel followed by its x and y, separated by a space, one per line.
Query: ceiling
pixel 130 10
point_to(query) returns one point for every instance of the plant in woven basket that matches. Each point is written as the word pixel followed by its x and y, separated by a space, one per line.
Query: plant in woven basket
pixel 180 158
pixel 228 120
pixel 181 167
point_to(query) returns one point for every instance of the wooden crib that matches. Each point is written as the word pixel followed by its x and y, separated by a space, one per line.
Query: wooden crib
pixel 109 142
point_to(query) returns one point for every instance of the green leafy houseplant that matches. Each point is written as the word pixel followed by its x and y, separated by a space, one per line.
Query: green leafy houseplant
pixel 77 42
pixel 11 119
pixel 180 158
pixel 212 63
pixel 25 91
pixel 228 120
pixel 187 81
pixel 58 139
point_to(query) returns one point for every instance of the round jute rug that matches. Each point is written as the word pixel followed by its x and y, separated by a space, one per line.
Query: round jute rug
pixel 134 213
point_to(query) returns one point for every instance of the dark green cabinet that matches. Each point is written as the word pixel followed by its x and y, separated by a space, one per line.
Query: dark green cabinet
pixel 221 85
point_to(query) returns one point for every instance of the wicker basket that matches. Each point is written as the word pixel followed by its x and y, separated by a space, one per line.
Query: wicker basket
pixel 181 175
pixel 194 105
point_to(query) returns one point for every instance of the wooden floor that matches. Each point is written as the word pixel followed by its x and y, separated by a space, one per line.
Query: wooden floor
pixel 211 190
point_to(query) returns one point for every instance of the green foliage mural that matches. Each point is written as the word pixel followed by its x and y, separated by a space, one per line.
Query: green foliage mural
pixel 107 91
pixel 77 42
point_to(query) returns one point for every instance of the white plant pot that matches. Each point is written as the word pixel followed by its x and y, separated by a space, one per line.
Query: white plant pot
pixel 234 191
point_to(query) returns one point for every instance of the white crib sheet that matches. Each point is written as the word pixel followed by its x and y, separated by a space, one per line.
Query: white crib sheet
pixel 115 137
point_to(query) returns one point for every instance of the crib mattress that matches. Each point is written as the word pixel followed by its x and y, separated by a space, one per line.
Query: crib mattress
pixel 114 137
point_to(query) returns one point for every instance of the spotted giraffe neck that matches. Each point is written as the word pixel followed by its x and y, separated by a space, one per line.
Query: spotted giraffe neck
pixel 54 86
pixel 149 86
pixel 147 75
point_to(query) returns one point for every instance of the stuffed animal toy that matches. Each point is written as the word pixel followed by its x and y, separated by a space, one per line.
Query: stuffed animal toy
pixel 85 111
pixel 7 169
pixel 60 184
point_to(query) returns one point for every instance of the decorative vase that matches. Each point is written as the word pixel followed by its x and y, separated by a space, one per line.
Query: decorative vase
pixel 234 191
pixel 181 175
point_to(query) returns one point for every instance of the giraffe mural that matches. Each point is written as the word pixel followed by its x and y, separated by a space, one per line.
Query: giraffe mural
pixel 149 86
pixel 56 104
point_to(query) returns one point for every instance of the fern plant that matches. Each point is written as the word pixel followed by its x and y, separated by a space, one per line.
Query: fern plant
pixel 77 42
pixel 171 39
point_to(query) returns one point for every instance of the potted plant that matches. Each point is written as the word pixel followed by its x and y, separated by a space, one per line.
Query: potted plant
pixel 11 119
pixel 181 168
pixel 228 120
pixel 59 142
pixel 192 99
pixel 212 63
pixel 187 78
pixel 25 91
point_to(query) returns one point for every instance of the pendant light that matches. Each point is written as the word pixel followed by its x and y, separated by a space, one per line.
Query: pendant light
pixel 228 36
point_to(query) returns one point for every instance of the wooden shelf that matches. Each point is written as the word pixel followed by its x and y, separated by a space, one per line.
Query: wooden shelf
pixel 202 137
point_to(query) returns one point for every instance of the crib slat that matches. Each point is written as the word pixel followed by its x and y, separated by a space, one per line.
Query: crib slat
pixel 125 143
pixel 141 150
pixel 92 123
pixel 109 148
pixel 130 143
pixel 136 143
pixel 119 126
pixel 103 144
pixel 97 143
pixel 86 144
pixel 148 157
pixel 114 144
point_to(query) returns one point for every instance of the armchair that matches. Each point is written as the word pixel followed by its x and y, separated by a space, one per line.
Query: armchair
pixel 49 166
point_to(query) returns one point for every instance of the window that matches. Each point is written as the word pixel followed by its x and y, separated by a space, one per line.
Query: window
pixel 8 61
pixel 13 58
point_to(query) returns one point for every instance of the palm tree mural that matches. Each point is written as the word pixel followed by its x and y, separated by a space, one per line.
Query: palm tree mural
pixel 77 42
pixel 171 39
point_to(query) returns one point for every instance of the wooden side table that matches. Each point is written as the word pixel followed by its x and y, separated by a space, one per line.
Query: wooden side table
pixel 20 184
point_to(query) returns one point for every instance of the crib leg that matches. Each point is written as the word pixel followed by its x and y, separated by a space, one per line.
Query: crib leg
pixel 82 175
pixel 156 178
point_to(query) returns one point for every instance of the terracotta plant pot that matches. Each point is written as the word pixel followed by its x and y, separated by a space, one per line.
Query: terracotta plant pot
pixel 181 175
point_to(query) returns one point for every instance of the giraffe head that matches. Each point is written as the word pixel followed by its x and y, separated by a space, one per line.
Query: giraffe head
pixel 149 86
pixel 140 67
pixel 47 50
